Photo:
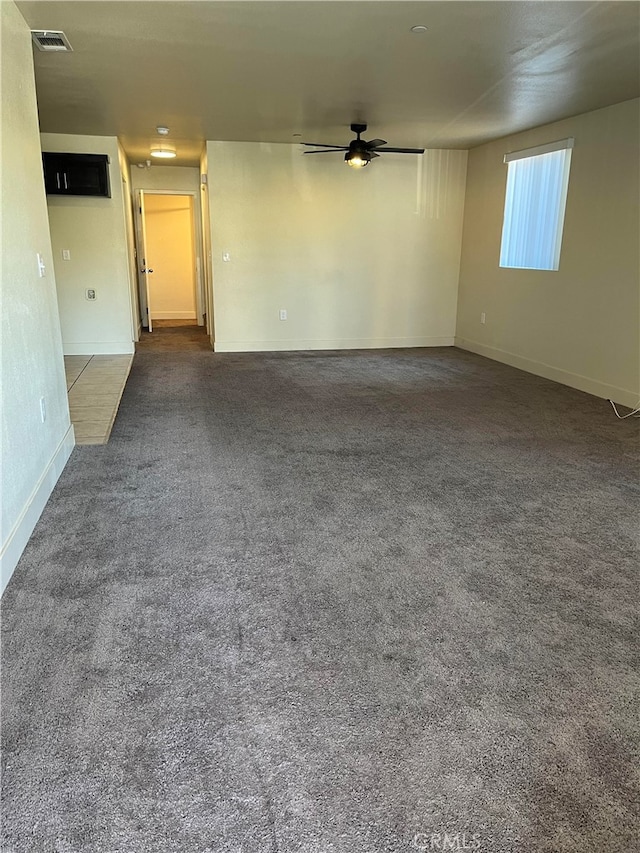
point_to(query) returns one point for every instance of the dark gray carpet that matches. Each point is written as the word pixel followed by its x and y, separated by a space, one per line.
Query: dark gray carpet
pixel 186 335
pixel 332 603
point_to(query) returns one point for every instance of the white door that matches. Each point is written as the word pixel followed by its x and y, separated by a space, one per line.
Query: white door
pixel 144 270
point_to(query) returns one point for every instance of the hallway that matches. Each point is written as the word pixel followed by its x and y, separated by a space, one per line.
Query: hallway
pixel 174 336
pixel 95 382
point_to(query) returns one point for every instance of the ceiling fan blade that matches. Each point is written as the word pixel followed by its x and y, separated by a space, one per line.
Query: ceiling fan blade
pixel 322 145
pixel 373 154
pixel 326 151
pixel 403 150
pixel 376 143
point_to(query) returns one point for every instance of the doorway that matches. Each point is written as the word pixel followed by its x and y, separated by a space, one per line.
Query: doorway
pixel 174 336
pixel 169 279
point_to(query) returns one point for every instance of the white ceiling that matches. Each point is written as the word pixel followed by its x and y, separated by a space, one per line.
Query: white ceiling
pixel 262 71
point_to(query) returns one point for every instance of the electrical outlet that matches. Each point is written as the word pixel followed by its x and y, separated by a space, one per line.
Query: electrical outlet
pixel 66 255
pixel 483 318
pixel 283 313
pixel 90 294
pixel 43 410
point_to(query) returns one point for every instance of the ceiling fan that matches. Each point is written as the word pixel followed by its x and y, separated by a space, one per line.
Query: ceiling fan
pixel 359 152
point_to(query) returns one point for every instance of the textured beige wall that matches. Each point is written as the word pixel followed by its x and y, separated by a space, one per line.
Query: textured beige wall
pixel 357 258
pixel 578 325
pixel 177 178
pixel 95 232
pixel 170 250
pixel 33 452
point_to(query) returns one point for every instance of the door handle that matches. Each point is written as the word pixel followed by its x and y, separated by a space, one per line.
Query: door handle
pixel 146 270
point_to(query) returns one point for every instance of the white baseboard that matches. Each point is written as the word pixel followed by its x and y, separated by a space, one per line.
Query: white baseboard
pixel 342 343
pixel 173 315
pixel 23 528
pixel 99 348
pixel 557 374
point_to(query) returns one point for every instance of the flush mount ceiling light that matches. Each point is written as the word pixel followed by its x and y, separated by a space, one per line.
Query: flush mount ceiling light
pixel 163 150
pixel 162 131
pixel 419 28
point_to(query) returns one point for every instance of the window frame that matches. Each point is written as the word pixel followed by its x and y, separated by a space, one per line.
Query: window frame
pixel 513 215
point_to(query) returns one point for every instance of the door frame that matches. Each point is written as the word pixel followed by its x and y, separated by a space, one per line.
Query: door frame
pixel 198 246
pixel 142 262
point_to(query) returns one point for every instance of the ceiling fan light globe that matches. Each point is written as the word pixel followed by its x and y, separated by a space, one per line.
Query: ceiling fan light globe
pixel 356 160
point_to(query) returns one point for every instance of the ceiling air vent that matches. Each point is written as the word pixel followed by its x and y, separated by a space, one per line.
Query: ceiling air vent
pixel 50 40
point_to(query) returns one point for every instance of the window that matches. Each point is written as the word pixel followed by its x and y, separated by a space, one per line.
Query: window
pixel 537 181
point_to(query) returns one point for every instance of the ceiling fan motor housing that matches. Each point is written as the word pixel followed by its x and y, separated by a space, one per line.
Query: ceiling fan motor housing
pixel 358 151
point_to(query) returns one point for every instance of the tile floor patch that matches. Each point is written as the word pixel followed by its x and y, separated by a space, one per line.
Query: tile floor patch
pixel 95 385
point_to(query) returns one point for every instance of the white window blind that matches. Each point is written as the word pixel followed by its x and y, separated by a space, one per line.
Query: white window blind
pixel 535 199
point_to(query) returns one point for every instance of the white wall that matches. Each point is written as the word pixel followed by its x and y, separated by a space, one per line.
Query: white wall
pixel 175 178
pixel 33 453
pixel 94 230
pixel 578 325
pixel 358 258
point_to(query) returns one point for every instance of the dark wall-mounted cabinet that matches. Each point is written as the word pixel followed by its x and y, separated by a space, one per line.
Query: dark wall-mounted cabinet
pixel 76 174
